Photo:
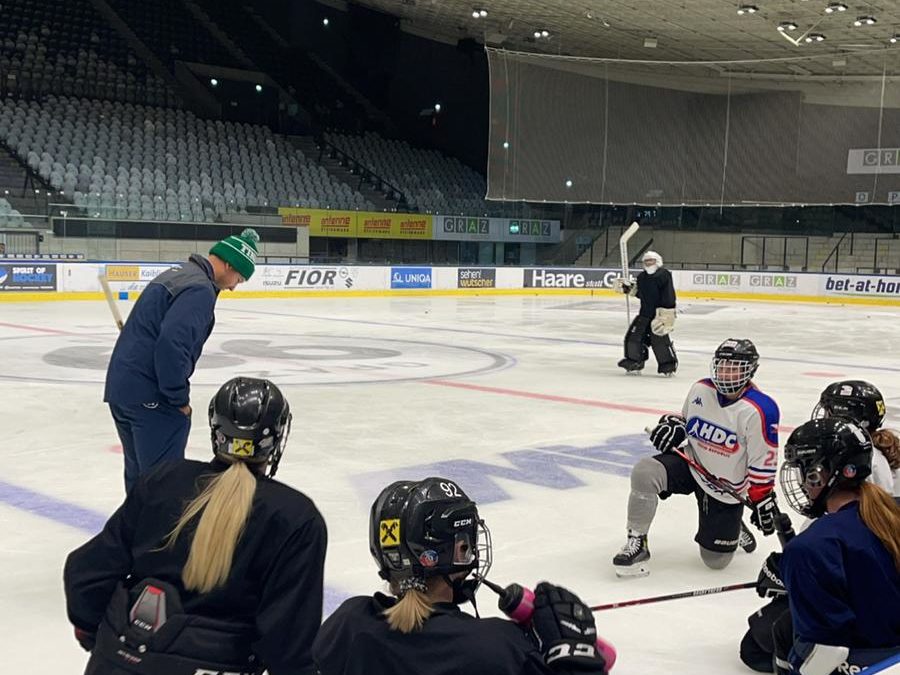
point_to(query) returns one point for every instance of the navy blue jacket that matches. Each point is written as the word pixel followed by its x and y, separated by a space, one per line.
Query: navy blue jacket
pixel 843 587
pixel 162 339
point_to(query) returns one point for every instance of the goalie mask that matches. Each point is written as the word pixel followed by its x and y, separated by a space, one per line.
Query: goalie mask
pixel 733 366
pixel 652 261
pixel 821 456
pixel 853 399
pixel 421 529
pixel 250 421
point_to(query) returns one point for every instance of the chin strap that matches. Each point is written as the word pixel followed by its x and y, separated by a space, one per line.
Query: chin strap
pixel 463 591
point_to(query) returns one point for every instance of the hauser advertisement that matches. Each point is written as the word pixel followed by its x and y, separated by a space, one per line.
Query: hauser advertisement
pixel 545 277
pixel 27 278
pixel 307 278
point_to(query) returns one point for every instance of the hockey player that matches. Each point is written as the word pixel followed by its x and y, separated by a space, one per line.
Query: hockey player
pixel 207 567
pixel 655 320
pixel 729 427
pixel 147 382
pixel 427 540
pixel 843 572
pixel 770 632
pixel 861 402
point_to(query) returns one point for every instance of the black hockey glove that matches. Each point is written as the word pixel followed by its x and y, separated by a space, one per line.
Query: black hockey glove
pixel 769 583
pixel 764 513
pixel 669 433
pixel 566 630
pixel 86 639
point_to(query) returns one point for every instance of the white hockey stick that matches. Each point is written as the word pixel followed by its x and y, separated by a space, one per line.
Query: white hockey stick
pixel 110 300
pixel 623 256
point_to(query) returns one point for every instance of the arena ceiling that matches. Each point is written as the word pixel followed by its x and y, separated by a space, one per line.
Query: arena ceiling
pixel 686 30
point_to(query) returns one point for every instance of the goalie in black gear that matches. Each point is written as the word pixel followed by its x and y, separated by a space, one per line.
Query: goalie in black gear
pixel 655 320
pixel 427 540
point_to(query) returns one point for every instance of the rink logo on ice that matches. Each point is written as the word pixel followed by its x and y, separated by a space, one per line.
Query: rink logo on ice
pixel 716 279
pixel 568 278
pixel 27 278
pixel 862 285
pixel 546 467
pixel 410 277
pixel 712 436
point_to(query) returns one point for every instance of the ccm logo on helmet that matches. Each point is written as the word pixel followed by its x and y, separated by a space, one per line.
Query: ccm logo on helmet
pixel 462 523
pixel 709 432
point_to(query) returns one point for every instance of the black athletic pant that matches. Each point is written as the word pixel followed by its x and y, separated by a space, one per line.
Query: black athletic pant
pixel 639 337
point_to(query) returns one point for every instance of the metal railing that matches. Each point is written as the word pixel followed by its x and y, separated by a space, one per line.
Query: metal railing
pixel 835 252
pixel 366 174
pixel 765 243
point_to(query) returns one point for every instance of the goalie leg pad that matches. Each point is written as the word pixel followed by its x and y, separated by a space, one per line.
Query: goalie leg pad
pixel 664 351
pixel 636 340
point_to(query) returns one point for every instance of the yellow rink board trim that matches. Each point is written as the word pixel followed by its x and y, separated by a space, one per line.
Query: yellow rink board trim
pixel 696 295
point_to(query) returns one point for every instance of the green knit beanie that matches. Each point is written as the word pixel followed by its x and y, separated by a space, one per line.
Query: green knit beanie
pixel 239 251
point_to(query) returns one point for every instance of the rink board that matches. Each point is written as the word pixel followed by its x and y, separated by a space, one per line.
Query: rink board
pixel 37 280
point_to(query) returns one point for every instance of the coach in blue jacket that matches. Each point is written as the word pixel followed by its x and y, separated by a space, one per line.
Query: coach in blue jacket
pixel 147 385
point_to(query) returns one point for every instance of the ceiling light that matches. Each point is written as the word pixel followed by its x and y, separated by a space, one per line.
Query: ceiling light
pixel 569 183
pixel 864 21
pixel 258 88
pixel 506 145
pixel 325 21
pixel 537 35
pixel 482 13
pixel 545 33
pixel 835 7
pixel 747 9
pixel 787 25
pixel 814 37
pixel 437 107
pixel 650 43
pixel 214 82
pixel 895 38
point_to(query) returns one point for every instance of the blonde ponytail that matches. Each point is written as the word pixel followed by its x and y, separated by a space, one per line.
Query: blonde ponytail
pixel 881 514
pixel 410 612
pixel 223 506
pixel 888 443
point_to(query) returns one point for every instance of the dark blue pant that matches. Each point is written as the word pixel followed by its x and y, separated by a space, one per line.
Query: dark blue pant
pixel 150 433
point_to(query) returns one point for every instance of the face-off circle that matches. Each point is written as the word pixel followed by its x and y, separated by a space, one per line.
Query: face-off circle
pixel 288 359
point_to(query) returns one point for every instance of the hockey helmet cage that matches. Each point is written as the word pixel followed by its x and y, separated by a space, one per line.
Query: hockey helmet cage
pixel 733 365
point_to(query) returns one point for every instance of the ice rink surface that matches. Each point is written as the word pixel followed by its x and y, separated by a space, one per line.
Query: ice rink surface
pixel 519 399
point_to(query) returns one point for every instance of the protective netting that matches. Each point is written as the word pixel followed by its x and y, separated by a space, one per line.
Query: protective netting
pixel 786 132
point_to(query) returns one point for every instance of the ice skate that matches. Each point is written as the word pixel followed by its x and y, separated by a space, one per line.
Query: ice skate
pixel 631 367
pixel 632 560
pixel 747 541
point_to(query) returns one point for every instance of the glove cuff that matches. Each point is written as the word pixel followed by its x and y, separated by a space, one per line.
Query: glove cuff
pixel 578 655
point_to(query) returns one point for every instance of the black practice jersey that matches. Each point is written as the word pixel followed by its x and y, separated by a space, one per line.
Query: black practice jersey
pixel 655 290
pixel 275 586
pixel 356 640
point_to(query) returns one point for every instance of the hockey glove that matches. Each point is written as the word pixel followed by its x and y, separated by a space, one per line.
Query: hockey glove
pixel 769 583
pixel 764 513
pixel 664 323
pixel 625 286
pixel 669 433
pixel 86 639
pixel 565 627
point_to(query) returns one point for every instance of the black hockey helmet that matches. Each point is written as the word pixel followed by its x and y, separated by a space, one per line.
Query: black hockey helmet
pixel 854 399
pixel 250 421
pixel 733 365
pixel 821 455
pixel 419 529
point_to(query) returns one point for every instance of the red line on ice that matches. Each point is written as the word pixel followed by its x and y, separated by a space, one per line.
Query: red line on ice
pixel 562 399
pixel 822 373
pixel 36 328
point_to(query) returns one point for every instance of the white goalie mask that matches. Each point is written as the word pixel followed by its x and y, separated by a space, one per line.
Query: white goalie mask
pixel 652 261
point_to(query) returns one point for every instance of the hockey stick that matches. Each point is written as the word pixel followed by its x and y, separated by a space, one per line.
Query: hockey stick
pixel 783 527
pixel 623 259
pixel 675 596
pixel 113 307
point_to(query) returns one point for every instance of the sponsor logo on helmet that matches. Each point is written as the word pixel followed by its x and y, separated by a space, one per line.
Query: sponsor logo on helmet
pixel 389 533
pixel 849 471
pixel 428 558
pixel 242 447
pixel 465 522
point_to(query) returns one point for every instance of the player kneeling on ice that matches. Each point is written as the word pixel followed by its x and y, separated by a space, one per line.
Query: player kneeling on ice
pixel 434 550
pixel 770 634
pixel 655 320
pixel 207 567
pixel 843 572
pixel 728 429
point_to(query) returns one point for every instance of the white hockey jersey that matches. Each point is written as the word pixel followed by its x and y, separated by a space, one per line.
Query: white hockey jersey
pixel 734 440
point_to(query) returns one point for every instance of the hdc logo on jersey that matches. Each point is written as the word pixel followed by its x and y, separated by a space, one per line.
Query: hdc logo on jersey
pixel 712 435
